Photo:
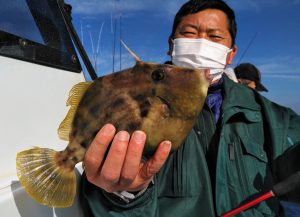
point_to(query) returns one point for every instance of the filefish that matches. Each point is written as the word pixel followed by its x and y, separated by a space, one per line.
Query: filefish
pixel 160 99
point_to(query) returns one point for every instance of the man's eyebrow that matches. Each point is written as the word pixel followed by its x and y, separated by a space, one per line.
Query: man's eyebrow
pixel 216 30
pixel 190 25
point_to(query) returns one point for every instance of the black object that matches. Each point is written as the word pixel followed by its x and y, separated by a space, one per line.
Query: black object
pixel 250 72
pixel 66 12
pixel 279 189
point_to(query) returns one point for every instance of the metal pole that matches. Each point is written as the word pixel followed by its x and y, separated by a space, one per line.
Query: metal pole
pixel 66 12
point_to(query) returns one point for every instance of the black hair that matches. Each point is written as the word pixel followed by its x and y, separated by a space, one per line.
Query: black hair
pixel 194 6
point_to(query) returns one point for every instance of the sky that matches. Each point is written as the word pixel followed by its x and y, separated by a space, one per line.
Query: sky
pixel 268 37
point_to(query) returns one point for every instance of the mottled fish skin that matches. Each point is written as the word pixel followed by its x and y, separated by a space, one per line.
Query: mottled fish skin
pixel 162 100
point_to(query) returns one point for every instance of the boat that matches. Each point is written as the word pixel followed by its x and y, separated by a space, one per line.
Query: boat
pixel 39 65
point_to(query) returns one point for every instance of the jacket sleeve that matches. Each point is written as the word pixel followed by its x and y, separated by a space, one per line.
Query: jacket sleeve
pixel 96 202
pixel 293 134
pixel 288 163
pixel 181 188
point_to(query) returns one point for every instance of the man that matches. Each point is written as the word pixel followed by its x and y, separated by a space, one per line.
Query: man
pixel 248 74
pixel 226 159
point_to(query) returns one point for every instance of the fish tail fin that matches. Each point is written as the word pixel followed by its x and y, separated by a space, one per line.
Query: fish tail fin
pixel 46 178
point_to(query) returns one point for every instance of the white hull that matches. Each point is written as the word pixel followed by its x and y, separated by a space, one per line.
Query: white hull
pixel 33 103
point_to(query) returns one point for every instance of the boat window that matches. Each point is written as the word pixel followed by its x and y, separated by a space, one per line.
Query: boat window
pixel 34 30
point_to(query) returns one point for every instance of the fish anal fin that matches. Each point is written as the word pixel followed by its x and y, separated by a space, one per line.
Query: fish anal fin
pixel 75 96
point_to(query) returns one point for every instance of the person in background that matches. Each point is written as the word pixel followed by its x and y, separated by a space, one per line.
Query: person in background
pixel 234 152
pixel 248 74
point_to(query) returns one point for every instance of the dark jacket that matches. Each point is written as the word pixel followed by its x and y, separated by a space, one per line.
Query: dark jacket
pixel 217 168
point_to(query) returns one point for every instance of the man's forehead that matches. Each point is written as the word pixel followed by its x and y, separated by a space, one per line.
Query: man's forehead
pixel 212 17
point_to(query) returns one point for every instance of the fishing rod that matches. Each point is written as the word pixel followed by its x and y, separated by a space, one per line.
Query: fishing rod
pixel 66 12
pixel 120 38
pixel 278 190
pixel 248 46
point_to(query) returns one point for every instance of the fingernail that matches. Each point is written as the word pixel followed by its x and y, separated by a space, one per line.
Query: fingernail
pixel 108 129
pixel 167 145
pixel 139 136
pixel 123 136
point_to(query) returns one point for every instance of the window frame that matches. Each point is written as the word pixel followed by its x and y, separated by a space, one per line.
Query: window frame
pixel 20 48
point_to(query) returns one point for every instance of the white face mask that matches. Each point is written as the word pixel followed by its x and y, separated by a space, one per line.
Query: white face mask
pixel 200 53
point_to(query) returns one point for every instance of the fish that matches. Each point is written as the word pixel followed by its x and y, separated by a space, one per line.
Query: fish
pixel 162 100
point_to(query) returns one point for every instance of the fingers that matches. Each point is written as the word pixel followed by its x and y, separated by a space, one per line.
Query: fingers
pixel 153 165
pixel 95 154
pixel 112 167
pixel 120 167
pixel 133 158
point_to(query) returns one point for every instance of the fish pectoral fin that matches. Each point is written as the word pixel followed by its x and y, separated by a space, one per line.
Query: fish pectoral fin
pixel 159 111
pixel 165 111
pixel 75 96
pixel 162 107
pixel 44 179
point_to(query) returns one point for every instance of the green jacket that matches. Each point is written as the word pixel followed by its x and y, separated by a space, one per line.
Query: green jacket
pixel 242 152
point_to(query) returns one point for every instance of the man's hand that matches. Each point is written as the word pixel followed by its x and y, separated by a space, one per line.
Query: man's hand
pixel 122 168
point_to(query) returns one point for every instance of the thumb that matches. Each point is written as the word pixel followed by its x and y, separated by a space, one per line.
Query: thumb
pixel 154 164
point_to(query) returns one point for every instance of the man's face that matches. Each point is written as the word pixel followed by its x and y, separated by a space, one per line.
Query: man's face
pixel 210 24
pixel 247 82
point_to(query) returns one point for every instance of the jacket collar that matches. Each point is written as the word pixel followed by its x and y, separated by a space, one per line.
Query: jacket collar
pixel 239 99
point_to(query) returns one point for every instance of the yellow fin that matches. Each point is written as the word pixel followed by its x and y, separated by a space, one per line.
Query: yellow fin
pixel 44 180
pixel 75 96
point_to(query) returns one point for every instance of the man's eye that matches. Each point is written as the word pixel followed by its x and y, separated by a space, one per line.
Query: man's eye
pixel 189 33
pixel 216 37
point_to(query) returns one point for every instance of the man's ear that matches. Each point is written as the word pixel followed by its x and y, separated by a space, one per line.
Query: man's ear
pixel 231 55
pixel 170 42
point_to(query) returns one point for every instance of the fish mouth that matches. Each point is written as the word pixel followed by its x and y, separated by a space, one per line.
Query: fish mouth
pixel 165 102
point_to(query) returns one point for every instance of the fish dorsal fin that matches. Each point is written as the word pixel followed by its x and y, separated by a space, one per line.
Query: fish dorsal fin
pixel 135 57
pixel 75 96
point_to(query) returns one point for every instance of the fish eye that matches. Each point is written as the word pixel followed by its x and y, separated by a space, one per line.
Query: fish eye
pixel 158 75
